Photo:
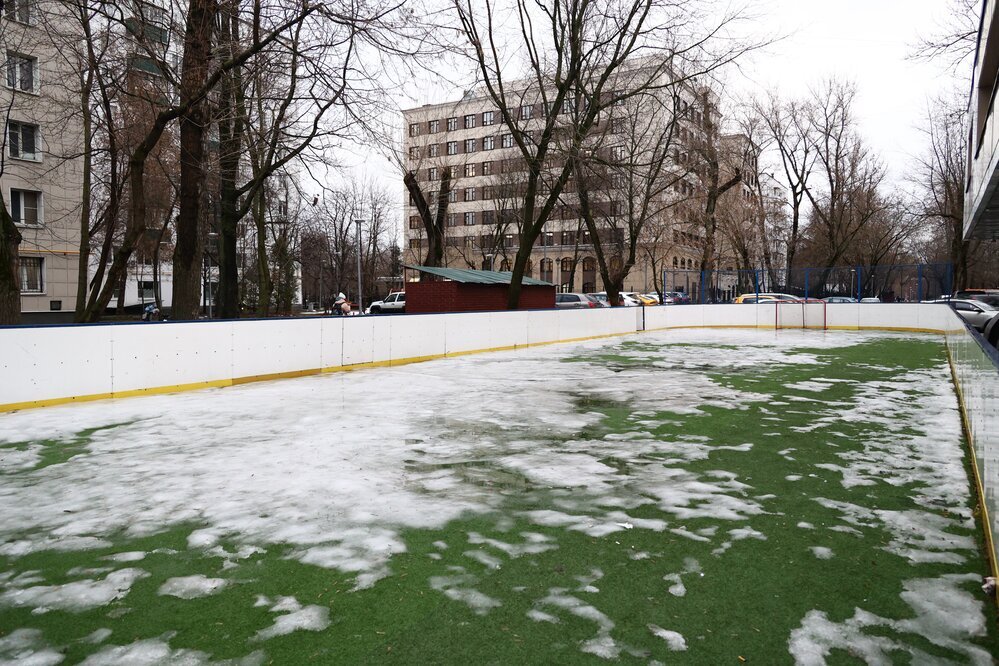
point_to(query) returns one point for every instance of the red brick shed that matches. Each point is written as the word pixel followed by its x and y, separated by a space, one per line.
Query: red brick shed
pixel 461 290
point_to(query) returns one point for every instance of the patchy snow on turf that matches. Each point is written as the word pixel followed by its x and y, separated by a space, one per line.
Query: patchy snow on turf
pixel 459 587
pixel 674 640
pixel 945 615
pixel 602 644
pixel 27 647
pixel 76 597
pixel 294 617
pixel 192 587
pixel 821 552
pixel 157 652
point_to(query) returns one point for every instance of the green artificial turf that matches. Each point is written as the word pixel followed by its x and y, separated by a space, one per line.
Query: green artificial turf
pixel 740 605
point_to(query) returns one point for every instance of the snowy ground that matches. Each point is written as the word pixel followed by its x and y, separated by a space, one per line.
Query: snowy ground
pixel 789 497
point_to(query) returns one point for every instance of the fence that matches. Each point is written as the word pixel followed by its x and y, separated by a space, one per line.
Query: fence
pixel 902 283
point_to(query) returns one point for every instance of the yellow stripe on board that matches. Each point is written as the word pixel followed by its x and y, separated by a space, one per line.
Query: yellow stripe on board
pixel 979 487
pixel 222 383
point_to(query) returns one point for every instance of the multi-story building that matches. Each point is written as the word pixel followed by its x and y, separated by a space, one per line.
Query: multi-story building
pixel 469 138
pixel 41 176
pixel 981 197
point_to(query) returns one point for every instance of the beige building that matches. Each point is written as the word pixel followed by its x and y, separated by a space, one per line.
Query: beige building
pixel 42 178
pixel 470 138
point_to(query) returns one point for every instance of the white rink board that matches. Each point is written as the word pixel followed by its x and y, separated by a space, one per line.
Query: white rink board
pixel 172 354
pixel 37 363
pixel 60 363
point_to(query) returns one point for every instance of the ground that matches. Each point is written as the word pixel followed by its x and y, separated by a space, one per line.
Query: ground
pixel 682 497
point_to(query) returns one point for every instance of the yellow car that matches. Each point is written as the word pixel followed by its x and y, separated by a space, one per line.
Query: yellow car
pixel 642 298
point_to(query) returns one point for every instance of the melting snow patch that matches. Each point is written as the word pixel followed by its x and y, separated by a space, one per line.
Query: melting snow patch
pixel 191 587
pixel 458 588
pixel 75 597
pixel 945 615
pixel 26 647
pixel 821 552
pixel 674 640
pixel 295 618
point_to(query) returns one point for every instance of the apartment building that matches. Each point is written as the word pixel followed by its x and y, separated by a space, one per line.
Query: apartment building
pixel 469 138
pixel 981 210
pixel 42 178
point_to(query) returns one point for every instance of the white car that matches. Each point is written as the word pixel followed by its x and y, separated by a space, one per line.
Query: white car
pixel 626 301
pixel 394 302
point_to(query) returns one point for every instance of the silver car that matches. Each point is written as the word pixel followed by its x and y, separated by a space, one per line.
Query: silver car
pixel 575 301
pixel 976 313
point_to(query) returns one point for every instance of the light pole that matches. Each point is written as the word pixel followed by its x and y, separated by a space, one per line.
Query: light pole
pixel 853 281
pixel 360 292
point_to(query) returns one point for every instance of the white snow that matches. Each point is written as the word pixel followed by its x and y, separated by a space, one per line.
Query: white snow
pixel 77 596
pixel 821 552
pixel 157 652
pixel 192 587
pixel 26 647
pixel 945 615
pixel 458 587
pixel 295 617
pixel 674 640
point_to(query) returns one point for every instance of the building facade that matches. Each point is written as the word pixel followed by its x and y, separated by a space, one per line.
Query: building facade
pixel 42 176
pixel 981 197
pixel 469 138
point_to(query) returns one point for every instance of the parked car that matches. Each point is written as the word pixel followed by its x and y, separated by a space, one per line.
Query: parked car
pixel 641 298
pixel 626 301
pixel 394 302
pixel 766 298
pixel 653 297
pixel 576 302
pixel 839 299
pixel 870 299
pixel 680 297
pixel 990 296
pixel 976 313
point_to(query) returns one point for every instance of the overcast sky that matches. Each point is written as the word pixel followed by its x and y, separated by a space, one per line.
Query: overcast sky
pixel 866 41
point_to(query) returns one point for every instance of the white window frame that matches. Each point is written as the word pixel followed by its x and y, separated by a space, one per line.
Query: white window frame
pixel 23 57
pixel 38 207
pixel 452 148
pixel 35 156
pixel 488 118
pixel 469 121
pixel 488 142
pixel 11 13
pixel 41 276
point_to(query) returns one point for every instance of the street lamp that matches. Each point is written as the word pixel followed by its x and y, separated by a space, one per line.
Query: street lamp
pixel 853 281
pixel 360 292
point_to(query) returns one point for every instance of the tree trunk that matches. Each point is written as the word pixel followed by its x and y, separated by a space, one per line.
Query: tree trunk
pixel 85 204
pixel 265 286
pixel 189 251
pixel 10 280
pixel 433 224
pixel 230 126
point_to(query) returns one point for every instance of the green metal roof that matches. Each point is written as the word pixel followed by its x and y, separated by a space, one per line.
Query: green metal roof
pixel 478 277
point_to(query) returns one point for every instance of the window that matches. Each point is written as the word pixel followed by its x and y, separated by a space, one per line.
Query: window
pixel 469 218
pixel 488 118
pixel 675 262
pixel 434 149
pixel 566 266
pixel 414 152
pixel 469 145
pixel 452 196
pixel 470 121
pixel 470 170
pixel 433 126
pixel 433 173
pixel 18 10
pixel 469 194
pixel 416 243
pixel 452 147
pixel 414 129
pixel 547 239
pixel 147 290
pixel 24 207
pixel 508 241
pixel 22 141
pixel 508 141
pixel 568 238
pixel 488 217
pixel 488 142
pixel 21 71
pixel 469 242
pixel 452 124
pixel 415 222
pixel 31 269
pixel 618 153
pixel 526 112
pixel 452 219
pixel 487 168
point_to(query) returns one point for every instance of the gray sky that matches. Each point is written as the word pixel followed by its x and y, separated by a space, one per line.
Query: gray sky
pixel 866 41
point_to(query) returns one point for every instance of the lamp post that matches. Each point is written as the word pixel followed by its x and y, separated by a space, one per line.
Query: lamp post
pixel 853 281
pixel 360 292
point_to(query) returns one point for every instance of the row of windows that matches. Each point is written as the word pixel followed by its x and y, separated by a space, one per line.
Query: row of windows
pixel 468 146
pixel 487 118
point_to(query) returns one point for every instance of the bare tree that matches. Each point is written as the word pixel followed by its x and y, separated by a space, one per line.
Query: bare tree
pixel 954 41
